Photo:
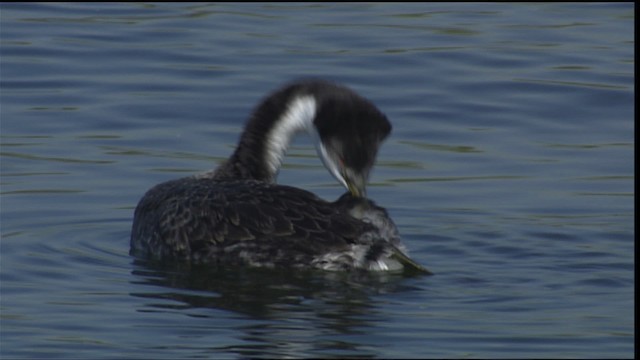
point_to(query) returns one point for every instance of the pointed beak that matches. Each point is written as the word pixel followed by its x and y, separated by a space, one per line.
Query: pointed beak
pixel 356 182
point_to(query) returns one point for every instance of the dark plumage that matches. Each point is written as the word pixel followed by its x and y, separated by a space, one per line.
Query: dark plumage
pixel 346 122
pixel 238 215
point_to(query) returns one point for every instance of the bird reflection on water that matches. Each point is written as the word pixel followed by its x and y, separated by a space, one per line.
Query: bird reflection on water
pixel 291 313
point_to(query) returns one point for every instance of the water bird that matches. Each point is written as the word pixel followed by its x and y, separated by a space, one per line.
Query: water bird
pixel 237 214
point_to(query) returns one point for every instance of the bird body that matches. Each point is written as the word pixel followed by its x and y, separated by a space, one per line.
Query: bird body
pixel 237 214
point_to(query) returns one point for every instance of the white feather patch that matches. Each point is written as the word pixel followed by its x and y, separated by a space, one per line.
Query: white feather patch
pixel 298 117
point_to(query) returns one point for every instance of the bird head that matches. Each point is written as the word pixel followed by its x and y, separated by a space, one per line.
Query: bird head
pixel 350 130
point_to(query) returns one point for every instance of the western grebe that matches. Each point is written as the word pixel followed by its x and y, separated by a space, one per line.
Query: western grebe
pixel 236 214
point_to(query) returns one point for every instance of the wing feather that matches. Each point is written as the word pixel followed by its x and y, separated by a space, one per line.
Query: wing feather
pixel 201 216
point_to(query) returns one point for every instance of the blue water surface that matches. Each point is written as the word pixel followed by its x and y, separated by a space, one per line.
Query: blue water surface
pixel 509 173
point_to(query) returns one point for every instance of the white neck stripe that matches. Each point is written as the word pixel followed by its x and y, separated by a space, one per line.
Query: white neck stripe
pixel 298 117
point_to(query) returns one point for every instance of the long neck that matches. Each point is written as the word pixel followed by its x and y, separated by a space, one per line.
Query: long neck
pixel 266 137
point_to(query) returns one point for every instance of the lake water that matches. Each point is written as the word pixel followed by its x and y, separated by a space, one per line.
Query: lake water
pixel 509 172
